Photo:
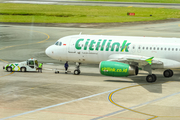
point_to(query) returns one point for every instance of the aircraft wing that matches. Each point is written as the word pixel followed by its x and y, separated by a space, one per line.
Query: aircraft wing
pixel 135 59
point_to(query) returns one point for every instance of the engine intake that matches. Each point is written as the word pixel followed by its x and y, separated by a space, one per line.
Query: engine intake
pixel 117 69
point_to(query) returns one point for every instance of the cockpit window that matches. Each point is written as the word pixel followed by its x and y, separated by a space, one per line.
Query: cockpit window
pixel 56 43
pixel 60 43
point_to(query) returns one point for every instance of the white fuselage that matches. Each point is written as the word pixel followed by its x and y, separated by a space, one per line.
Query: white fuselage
pixel 97 48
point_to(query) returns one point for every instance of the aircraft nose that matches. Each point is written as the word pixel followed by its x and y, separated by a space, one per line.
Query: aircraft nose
pixel 49 51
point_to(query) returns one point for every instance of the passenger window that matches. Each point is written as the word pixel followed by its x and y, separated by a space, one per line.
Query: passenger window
pixel 143 48
pixel 146 48
pixel 172 49
pixel 139 47
pixel 157 48
pixel 133 47
pixel 154 48
pixel 176 49
pixel 164 48
pixel 168 48
pixel 161 48
pixel 150 48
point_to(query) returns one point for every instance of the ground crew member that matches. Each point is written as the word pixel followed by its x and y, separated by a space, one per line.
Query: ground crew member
pixel 66 66
pixel 40 67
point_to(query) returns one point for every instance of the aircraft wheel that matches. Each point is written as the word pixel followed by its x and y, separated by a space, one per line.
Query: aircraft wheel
pixel 76 72
pixel 23 69
pixel 168 73
pixel 151 78
pixel 9 69
pixel 154 77
pixel 171 72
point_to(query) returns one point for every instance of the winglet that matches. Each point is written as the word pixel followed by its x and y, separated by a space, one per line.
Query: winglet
pixel 149 60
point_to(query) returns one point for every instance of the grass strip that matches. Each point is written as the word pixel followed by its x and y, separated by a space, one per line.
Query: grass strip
pixel 28 13
pixel 144 1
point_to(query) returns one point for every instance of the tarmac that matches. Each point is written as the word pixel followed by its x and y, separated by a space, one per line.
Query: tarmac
pixel 88 96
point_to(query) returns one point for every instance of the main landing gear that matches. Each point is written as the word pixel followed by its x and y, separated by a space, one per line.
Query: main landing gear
pixel 168 73
pixel 152 77
pixel 77 70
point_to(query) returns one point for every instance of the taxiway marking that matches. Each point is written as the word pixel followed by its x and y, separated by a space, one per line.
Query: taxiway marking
pixel 131 108
pixel 24 44
pixel 57 105
pixel 6 75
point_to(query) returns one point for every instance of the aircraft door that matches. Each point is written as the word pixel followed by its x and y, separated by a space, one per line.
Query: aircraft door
pixel 72 42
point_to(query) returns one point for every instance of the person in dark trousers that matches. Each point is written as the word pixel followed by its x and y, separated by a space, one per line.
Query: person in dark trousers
pixel 40 67
pixel 66 66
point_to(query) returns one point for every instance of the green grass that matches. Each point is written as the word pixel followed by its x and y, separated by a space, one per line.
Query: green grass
pixel 145 1
pixel 28 13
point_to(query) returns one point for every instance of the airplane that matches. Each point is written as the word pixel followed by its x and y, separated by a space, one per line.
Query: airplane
pixel 119 56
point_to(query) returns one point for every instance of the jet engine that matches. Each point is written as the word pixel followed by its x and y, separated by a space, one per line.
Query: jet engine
pixel 117 69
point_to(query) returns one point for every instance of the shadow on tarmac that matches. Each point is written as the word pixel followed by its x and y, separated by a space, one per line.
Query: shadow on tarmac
pixel 155 87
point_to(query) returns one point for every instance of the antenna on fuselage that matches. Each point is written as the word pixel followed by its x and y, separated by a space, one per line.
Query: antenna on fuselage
pixel 80 33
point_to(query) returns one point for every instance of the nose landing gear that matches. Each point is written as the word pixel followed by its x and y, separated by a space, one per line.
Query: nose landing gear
pixel 77 70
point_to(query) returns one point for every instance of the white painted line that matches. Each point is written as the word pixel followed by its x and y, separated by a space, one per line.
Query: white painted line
pixel 57 104
pixel 134 107
pixel 49 63
pixel 47 69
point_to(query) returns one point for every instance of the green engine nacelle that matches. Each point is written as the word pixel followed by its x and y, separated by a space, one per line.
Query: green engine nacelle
pixel 117 69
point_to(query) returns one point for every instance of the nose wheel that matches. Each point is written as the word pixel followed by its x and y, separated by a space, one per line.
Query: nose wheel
pixel 77 70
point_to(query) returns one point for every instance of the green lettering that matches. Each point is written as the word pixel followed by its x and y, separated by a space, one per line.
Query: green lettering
pixel 98 44
pixel 125 46
pixel 77 44
pixel 108 44
pixel 86 44
pixel 103 44
pixel 117 46
pixel 92 45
